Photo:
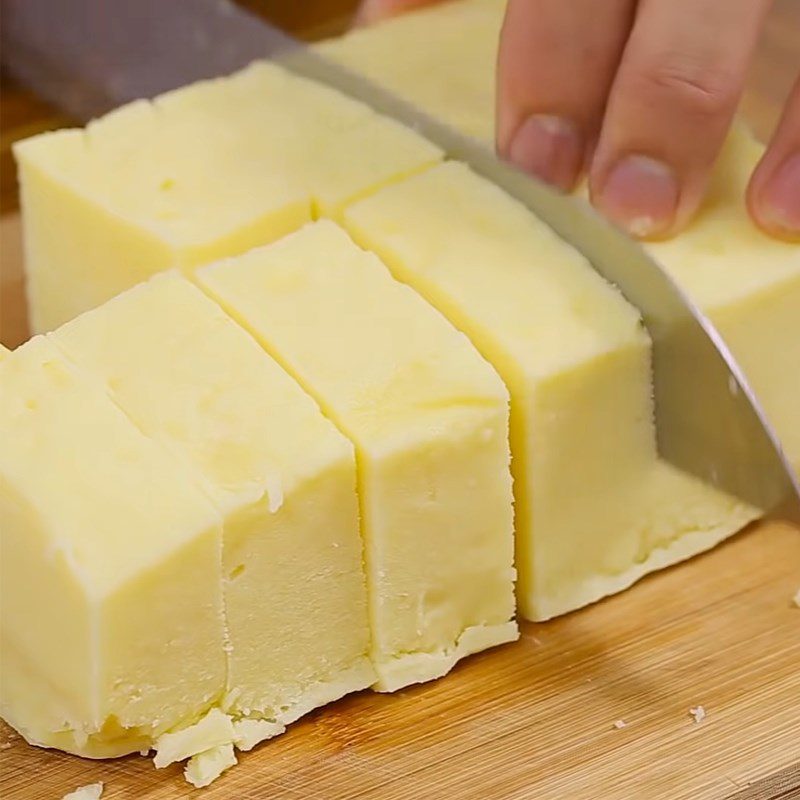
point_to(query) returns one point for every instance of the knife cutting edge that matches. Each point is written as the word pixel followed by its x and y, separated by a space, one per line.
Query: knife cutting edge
pixel 88 56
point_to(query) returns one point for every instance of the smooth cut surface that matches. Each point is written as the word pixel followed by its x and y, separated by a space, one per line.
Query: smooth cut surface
pixel 280 474
pixel 112 624
pixel 594 508
pixel 203 172
pixel 429 418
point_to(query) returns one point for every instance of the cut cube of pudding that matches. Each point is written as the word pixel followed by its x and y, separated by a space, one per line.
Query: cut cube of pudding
pixel 280 474
pixel 202 172
pixel 111 584
pixel 429 420
pixel 576 360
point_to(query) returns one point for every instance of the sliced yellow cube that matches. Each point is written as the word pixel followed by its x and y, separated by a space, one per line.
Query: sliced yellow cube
pixel 200 173
pixel 429 420
pixel 442 59
pixel 111 580
pixel 576 359
pixel 280 474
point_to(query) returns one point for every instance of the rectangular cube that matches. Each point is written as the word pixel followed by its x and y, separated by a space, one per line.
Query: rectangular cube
pixel 429 420
pixel 202 172
pixel 281 476
pixel 110 569
pixel 576 359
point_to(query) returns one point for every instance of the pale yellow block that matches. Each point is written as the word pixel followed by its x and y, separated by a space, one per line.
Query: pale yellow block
pixel 4 351
pixel 576 360
pixel 429 420
pixel 280 474
pixel 443 59
pixel 112 624
pixel 203 172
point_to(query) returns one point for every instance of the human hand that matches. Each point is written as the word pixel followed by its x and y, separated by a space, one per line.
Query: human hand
pixel 638 95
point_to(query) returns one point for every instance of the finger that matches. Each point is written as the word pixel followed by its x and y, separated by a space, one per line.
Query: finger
pixel 670 107
pixel 555 67
pixel 375 10
pixel 773 196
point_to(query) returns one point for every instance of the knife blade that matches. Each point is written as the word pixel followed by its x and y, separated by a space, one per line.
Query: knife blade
pixel 88 56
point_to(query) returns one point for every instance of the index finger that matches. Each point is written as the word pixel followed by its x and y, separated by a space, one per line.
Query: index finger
pixel 670 108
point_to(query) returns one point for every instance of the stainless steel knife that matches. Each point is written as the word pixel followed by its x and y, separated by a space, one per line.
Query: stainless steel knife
pixel 88 56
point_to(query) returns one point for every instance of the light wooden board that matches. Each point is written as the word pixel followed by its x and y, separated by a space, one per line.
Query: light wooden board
pixel 535 719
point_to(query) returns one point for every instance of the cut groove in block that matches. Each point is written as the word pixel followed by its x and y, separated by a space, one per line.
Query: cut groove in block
pixel 281 476
pixel 200 173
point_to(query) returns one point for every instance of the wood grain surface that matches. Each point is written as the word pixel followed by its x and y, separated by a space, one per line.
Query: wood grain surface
pixel 534 720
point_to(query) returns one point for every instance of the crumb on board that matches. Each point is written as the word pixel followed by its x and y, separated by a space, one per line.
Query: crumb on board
pixel 698 712
pixel 9 742
pixel 620 724
pixel 796 598
pixel 92 791
pixel 204 768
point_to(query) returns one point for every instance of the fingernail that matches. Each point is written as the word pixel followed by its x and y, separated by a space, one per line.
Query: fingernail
pixel 641 195
pixel 779 204
pixel 549 147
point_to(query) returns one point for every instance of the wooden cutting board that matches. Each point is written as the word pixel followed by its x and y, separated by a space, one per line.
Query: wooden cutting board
pixel 593 706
